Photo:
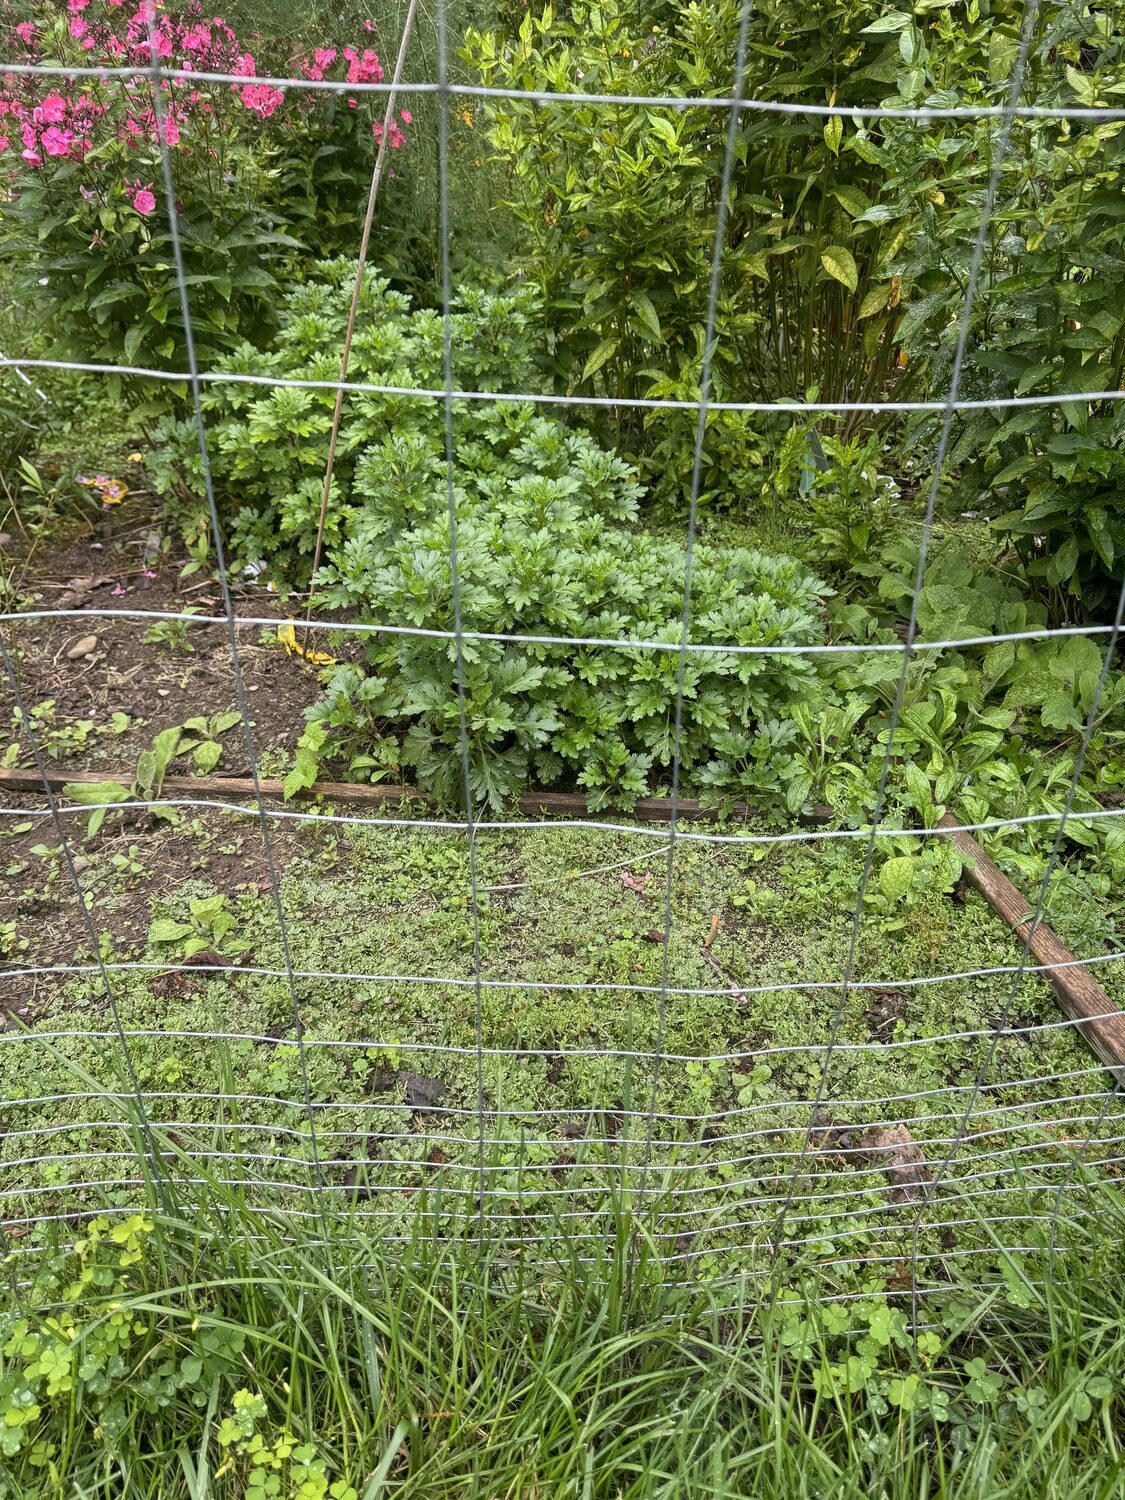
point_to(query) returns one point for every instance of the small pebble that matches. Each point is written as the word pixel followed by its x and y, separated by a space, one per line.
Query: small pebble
pixel 84 647
pixel 5 538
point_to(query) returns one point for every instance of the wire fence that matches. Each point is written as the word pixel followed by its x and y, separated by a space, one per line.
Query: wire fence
pixel 881 1155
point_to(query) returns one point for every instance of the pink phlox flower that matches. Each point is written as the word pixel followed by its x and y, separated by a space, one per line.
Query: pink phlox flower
pixel 4 143
pixel 322 59
pixel 76 7
pixel 406 117
pixel 57 142
pixel 118 591
pixel 395 137
pixel 32 158
pixel 262 98
pixel 27 31
pixel 244 66
pixel 77 26
pixel 363 69
pixel 142 198
pixel 52 111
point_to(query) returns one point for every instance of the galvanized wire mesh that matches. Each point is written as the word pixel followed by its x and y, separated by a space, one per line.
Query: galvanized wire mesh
pixel 730 1194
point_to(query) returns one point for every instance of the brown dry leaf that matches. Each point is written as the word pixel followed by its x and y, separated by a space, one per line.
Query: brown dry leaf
pixel 899 1157
pixel 207 958
pixel 638 883
pixel 78 589
pixel 712 931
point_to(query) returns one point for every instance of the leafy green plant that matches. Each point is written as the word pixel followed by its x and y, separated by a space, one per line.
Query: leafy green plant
pixel 273 1466
pixel 200 737
pixel 127 867
pixel 208 925
pixel 59 737
pixel 850 503
pixel 546 547
pixel 51 1357
pixel 13 942
pixel 152 765
pixel 173 635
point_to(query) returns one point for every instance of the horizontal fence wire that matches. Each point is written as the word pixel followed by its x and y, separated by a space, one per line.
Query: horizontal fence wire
pixel 450 89
pixel 735 1192
pixel 561 824
pixel 546 398
pixel 628 643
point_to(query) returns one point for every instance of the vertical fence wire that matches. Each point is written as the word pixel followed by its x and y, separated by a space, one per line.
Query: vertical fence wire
pixel 709 340
pixel 455 570
pixel 938 472
pixel 157 82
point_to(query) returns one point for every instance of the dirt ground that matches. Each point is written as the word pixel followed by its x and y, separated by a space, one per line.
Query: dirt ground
pixel 98 710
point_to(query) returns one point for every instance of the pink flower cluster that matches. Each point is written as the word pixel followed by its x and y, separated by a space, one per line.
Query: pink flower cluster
pixel 57 125
pixel 396 139
pixel 262 98
pixel 321 60
pixel 67 123
pixel 362 68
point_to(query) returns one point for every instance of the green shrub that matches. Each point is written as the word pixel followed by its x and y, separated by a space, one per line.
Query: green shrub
pixel 546 545
pixel 618 207
pixel 1049 315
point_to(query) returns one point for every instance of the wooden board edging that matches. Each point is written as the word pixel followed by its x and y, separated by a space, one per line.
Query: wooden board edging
pixel 1082 998
pixel 532 804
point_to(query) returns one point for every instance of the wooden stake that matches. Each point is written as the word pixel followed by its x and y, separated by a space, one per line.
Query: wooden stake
pixel 361 265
